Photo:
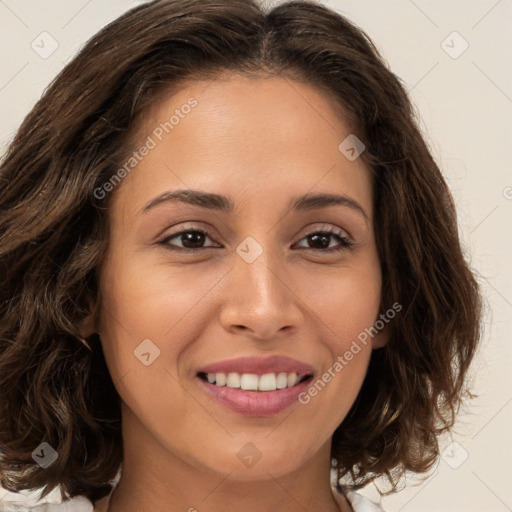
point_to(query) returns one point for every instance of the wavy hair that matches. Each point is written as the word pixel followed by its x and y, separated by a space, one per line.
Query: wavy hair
pixel 54 236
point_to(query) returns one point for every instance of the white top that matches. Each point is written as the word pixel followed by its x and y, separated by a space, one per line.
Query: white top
pixel 26 501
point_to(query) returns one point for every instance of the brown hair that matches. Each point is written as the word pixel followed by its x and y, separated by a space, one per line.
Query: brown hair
pixel 53 237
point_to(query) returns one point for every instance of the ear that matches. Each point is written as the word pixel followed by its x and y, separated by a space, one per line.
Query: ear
pixel 382 337
pixel 89 325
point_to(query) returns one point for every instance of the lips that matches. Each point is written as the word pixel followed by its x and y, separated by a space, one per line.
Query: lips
pixel 259 366
pixel 256 386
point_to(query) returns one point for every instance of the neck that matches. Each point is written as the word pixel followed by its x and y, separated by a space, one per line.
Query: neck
pixel 154 479
pixel 279 494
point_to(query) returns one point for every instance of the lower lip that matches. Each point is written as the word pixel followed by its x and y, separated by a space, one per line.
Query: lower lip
pixel 256 403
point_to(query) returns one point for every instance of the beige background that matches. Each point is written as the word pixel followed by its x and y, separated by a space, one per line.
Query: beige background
pixel 465 102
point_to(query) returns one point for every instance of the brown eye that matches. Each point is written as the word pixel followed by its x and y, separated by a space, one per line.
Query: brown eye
pixel 189 239
pixel 321 240
pixel 192 239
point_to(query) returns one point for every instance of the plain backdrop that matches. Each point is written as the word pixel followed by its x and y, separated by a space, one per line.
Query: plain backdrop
pixel 454 57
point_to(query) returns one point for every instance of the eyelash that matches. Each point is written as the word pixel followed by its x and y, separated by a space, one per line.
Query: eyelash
pixel 345 243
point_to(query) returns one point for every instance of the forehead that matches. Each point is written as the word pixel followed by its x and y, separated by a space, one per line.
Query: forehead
pixel 268 136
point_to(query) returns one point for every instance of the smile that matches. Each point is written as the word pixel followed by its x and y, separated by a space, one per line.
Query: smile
pixel 254 382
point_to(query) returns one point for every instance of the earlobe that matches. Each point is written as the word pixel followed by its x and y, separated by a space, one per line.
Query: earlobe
pixel 381 339
pixel 88 326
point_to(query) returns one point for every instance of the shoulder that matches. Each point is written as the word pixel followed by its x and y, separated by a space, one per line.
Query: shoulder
pixel 361 503
pixel 28 502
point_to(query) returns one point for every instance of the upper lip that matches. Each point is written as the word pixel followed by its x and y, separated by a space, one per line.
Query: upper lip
pixel 258 366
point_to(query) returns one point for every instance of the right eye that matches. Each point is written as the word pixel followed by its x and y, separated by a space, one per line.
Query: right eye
pixel 191 240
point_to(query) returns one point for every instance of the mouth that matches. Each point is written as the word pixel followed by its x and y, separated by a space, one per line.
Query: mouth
pixel 265 383
pixel 253 382
pixel 255 386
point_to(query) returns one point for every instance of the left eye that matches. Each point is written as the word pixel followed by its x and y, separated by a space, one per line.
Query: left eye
pixel 323 240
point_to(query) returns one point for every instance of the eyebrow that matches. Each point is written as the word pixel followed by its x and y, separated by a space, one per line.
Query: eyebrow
pixel 225 204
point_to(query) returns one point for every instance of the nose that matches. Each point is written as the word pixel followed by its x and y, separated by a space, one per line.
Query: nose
pixel 259 300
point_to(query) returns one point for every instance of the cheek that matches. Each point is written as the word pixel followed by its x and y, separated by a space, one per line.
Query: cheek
pixel 148 301
pixel 346 304
pixel 147 322
pixel 332 392
pixel 150 315
pixel 346 301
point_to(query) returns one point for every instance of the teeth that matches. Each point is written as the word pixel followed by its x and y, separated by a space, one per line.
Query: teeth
pixel 282 380
pixel 233 380
pixel 253 382
pixel 292 379
pixel 249 381
pixel 267 382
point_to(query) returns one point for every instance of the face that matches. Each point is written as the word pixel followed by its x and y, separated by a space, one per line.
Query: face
pixel 247 281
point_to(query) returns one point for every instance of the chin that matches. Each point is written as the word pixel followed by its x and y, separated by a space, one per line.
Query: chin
pixel 250 463
pixel 259 472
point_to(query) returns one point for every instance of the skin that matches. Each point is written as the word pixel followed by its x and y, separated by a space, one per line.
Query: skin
pixel 260 142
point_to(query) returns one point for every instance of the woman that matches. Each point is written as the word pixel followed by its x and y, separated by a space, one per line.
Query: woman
pixel 231 267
